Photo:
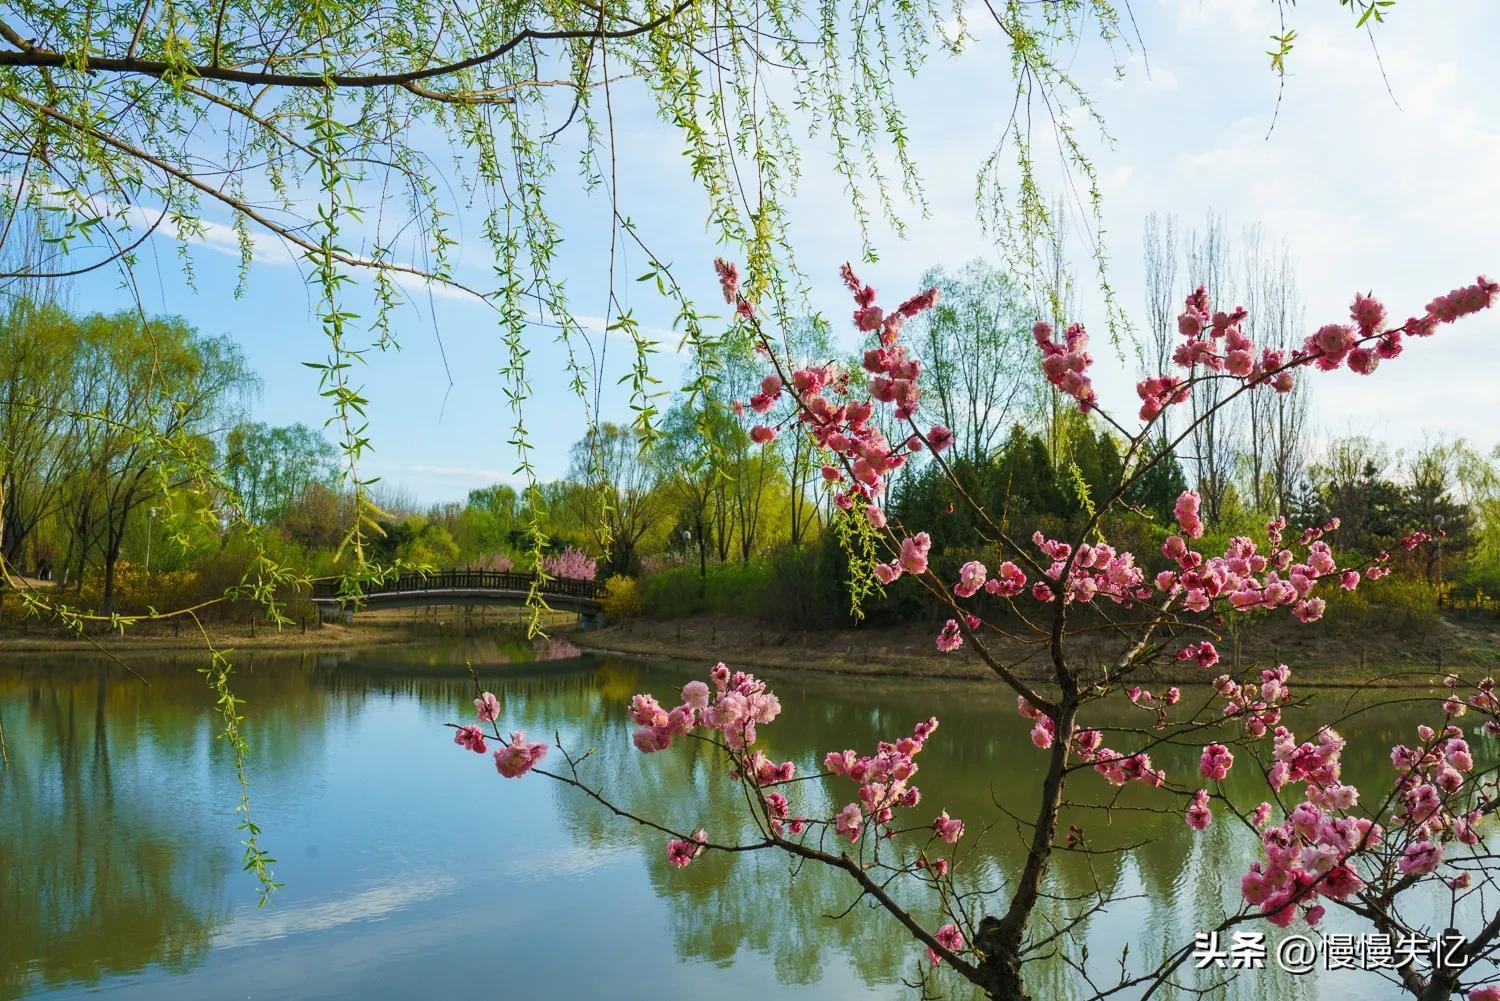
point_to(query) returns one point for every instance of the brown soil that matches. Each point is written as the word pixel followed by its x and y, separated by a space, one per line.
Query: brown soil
pixel 1329 658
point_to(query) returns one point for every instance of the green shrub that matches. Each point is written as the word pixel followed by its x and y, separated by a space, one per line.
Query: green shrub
pixel 1400 603
pixel 735 588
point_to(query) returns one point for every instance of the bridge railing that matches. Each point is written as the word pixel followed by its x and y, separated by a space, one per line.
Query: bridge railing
pixel 468 580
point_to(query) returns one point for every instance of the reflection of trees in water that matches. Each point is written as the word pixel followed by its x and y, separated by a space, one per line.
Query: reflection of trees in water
pixel 98 875
pixel 760 902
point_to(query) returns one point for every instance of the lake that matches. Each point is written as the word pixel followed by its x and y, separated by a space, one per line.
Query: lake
pixel 413 870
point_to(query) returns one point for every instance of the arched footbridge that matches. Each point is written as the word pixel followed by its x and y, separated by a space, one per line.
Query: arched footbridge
pixel 462 587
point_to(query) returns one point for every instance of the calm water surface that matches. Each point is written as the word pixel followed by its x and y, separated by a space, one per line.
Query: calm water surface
pixel 412 870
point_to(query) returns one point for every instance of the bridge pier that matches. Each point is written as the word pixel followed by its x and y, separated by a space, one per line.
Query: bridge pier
pixel 335 613
pixel 591 619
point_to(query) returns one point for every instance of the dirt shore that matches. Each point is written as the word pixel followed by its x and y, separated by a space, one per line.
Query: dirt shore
pixel 908 651
pixel 370 629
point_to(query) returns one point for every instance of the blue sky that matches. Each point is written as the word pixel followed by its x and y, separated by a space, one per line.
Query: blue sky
pixel 1368 193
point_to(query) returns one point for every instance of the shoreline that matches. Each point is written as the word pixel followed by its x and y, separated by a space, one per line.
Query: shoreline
pixel 374 630
pixel 897 653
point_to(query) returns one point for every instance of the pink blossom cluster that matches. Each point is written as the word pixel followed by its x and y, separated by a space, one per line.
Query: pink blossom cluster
pixel 1363 345
pixel 570 564
pixel 839 420
pixel 1116 768
pixel 519 756
pixel 1157 701
pixel 1429 776
pixel 1258 707
pixel 734 706
pixel 1248 579
pixel 1483 699
pixel 912 558
pixel 1310 855
pixel 1464 300
pixel 1098 571
pixel 1066 364
pixel 470 737
pixel 681 851
pixel 1160 392
pixel 1216 342
pixel 1186 513
pixel 1198 815
pixel 950 938
pixel 884 780
pixel 1204 654
pixel 1215 762
pixel 1043 730
pixel 729 279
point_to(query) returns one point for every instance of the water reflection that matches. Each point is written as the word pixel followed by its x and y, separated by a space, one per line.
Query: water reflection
pixel 412 868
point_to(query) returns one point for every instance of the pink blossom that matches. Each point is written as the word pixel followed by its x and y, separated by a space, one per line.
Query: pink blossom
pixel 695 694
pixel 874 516
pixel 1009 582
pixel 729 279
pixel 971 577
pixel 914 553
pixel 1490 992
pixel 950 938
pixel 470 737
pixel 1465 300
pixel 1198 814
pixel 949 638
pixel 950 829
pixel 1215 762
pixel 681 851
pixel 1186 512
pixel 519 756
pixel 1204 654
pixel 849 822
pixel 487 707
pixel 762 435
pixel 1367 313
pixel 1420 858
pixel 1310 610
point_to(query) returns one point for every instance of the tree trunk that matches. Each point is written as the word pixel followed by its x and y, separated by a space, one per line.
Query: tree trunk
pixel 107 598
pixel 1001 939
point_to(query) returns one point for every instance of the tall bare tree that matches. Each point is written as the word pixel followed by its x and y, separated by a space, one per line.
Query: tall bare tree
pixel 1216 437
pixel 1161 259
pixel 1278 421
pixel 976 347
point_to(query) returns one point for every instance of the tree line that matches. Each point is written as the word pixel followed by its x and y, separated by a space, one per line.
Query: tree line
pixel 86 487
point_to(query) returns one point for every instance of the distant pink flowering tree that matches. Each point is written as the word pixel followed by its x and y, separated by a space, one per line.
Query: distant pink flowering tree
pixel 1324 843
pixel 572 563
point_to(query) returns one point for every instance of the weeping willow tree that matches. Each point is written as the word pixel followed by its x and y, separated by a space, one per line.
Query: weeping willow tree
pixel 353 134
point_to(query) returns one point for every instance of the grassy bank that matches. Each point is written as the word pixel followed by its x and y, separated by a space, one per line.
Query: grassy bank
pixel 1394 658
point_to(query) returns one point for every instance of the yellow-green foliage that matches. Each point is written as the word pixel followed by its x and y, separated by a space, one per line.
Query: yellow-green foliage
pixel 1401 602
pixel 622 598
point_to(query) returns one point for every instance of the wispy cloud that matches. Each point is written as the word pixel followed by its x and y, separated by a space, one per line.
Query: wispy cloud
pixel 367 905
